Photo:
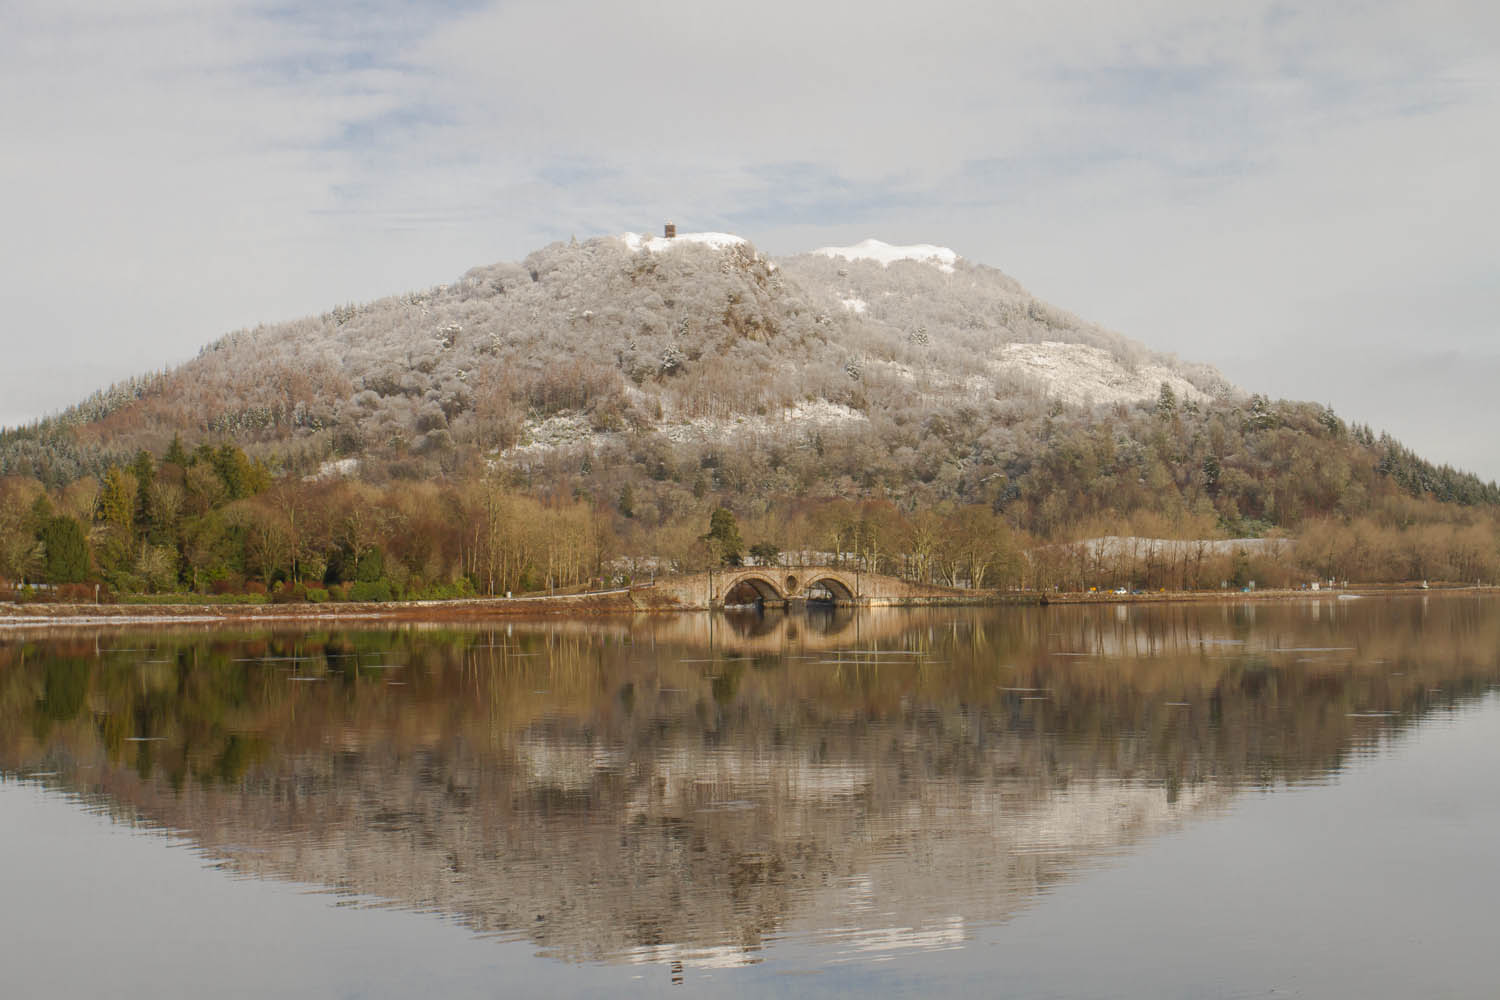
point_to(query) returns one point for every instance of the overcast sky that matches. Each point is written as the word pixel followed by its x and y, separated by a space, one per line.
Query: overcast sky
pixel 1302 194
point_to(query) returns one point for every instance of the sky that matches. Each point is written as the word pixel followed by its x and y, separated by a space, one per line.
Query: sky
pixel 1304 195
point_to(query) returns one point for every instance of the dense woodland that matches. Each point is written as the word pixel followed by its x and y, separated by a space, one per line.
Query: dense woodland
pixel 582 416
pixel 214 521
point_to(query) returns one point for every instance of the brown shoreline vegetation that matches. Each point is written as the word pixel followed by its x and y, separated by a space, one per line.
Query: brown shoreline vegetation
pixel 215 527
pixel 614 603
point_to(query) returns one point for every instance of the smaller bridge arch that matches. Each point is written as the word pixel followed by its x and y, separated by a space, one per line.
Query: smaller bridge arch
pixel 841 590
pixel 752 585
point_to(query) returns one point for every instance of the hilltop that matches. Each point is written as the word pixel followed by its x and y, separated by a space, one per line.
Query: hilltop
pixel 654 379
pixel 699 338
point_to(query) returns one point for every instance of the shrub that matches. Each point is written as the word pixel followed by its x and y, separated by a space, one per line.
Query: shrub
pixel 191 598
pixel 228 585
pixel 441 591
pixel 371 565
pixel 124 582
pixel 287 594
pixel 255 587
pixel 77 593
pixel 364 590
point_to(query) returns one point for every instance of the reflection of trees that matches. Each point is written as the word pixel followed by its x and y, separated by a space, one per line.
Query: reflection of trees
pixel 627 788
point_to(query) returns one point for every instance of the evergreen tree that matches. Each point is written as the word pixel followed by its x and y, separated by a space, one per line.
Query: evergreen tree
pixel 41 513
pixel 1166 402
pixel 241 477
pixel 176 455
pixel 724 536
pixel 1261 415
pixel 1211 472
pixel 765 552
pixel 115 511
pixel 144 468
pixel 117 501
pixel 65 551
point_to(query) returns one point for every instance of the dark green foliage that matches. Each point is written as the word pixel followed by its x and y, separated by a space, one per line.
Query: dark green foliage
pixel 234 470
pixel 370 590
pixel 724 537
pixel 765 552
pixel 65 550
pixel 176 454
pixel 371 565
pixel 116 506
pixel 41 513
pixel 144 469
pixel 1211 471
pixel 1417 477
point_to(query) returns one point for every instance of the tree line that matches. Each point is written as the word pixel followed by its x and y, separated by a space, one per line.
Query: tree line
pixel 216 521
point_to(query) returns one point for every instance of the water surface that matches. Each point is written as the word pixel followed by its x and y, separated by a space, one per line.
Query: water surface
pixel 1226 800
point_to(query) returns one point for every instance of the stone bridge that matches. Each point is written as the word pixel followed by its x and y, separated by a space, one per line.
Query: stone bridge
pixel 778 586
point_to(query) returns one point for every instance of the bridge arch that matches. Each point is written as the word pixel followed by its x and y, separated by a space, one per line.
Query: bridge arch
pixel 750 586
pixel 840 590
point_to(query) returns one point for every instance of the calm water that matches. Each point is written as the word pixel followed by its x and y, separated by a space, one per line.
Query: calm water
pixel 1291 799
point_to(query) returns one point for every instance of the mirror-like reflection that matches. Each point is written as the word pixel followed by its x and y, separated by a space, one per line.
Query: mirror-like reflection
pixel 693 787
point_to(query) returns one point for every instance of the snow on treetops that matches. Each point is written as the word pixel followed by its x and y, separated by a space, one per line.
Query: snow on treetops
pixel 656 244
pixel 884 253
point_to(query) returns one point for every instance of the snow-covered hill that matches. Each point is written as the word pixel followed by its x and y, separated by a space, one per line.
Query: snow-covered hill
pixel 618 341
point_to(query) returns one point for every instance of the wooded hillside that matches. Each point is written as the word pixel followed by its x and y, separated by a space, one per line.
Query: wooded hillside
pixel 619 393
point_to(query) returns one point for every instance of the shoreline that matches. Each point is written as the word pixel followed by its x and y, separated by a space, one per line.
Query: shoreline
pixel 14 616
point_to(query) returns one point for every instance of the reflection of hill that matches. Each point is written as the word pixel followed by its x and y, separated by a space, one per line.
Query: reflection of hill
pixel 635 791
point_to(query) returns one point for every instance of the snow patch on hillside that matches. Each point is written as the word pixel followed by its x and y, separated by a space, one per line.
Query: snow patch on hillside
pixel 807 413
pixel 821 411
pixel 659 244
pixel 342 468
pixel 559 431
pixel 1080 374
pixel 886 254
pixel 571 430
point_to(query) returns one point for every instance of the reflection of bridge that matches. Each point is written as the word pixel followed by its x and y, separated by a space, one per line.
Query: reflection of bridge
pixel 778 586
